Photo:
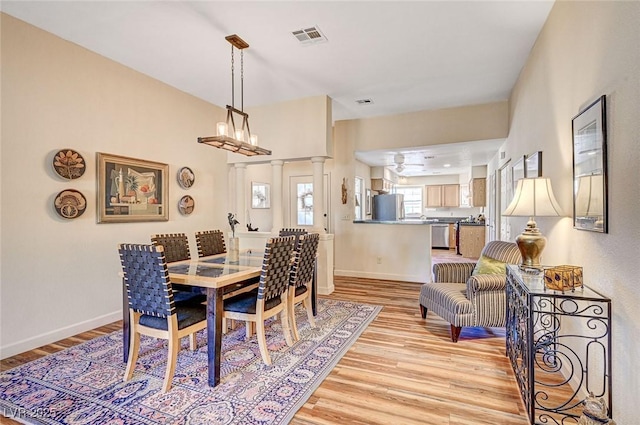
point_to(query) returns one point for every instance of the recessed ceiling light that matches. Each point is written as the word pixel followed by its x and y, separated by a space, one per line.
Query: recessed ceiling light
pixel 447 165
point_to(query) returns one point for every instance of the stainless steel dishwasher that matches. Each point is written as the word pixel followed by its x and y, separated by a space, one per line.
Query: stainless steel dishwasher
pixel 440 235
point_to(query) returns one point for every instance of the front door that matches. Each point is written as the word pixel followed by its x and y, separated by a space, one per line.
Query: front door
pixel 301 202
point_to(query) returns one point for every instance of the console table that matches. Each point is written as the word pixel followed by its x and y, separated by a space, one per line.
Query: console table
pixel 559 346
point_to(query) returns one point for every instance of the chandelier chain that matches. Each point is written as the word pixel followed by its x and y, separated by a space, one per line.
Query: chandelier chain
pixel 233 93
pixel 242 80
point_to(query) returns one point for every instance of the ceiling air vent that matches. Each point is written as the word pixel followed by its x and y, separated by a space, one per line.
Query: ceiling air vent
pixel 311 35
pixel 364 101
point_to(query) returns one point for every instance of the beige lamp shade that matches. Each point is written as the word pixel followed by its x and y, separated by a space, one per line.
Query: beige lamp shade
pixel 589 202
pixel 533 198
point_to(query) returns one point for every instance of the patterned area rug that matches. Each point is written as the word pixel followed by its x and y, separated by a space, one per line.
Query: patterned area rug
pixel 83 384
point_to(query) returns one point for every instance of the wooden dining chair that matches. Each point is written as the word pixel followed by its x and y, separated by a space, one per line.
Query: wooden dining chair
pixel 152 309
pixel 297 232
pixel 210 242
pixel 176 248
pixel 301 278
pixel 271 296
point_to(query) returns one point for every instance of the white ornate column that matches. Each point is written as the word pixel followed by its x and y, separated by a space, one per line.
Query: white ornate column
pixel 325 246
pixel 241 203
pixel 318 194
pixel 277 218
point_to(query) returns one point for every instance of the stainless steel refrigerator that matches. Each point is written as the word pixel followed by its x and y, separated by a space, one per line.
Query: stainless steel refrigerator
pixel 388 207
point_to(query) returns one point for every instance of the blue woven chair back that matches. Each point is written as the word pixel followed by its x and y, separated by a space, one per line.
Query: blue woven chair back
pixel 304 260
pixel 210 242
pixel 176 246
pixel 147 279
pixel 274 278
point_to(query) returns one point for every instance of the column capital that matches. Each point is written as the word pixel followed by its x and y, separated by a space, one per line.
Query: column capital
pixel 240 165
pixel 277 162
pixel 321 159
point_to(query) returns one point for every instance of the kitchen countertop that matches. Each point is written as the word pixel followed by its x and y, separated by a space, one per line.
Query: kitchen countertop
pixel 403 222
pixel 468 223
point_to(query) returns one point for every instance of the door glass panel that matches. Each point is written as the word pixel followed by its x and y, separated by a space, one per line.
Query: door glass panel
pixel 304 204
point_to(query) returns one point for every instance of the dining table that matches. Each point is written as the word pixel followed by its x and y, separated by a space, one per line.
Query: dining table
pixel 215 274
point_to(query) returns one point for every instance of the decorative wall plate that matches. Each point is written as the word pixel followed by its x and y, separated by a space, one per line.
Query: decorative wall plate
pixel 70 204
pixel 186 178
pixel 186 205
pixel 69 164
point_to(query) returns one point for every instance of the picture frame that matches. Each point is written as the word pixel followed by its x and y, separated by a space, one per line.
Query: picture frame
pixel 260 195
pixel 533 165
pixel 367 202
pixel 131 190
pixel 518 172
pixel 589 130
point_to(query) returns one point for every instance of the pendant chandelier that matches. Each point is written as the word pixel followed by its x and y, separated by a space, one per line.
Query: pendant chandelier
pixel 228 136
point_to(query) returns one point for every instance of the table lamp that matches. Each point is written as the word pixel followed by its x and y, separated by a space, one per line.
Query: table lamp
pixel 533 197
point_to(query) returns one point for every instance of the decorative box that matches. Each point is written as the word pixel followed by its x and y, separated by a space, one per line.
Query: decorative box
pixel 562 278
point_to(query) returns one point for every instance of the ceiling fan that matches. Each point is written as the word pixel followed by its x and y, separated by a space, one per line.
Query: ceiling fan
pixel 398 160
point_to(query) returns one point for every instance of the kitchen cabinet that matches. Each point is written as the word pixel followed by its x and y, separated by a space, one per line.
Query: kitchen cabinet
pixel 472 240
pixel 452 236
pixel 442 195
pixel 382 185
pixel 478 192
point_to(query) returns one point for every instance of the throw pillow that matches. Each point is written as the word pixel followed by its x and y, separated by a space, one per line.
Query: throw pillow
pixel 488 265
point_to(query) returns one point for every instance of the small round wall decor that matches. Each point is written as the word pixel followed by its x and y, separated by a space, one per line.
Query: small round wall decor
pixel 69 164
pixel 186 178
pixel 70 204
pixel 186 205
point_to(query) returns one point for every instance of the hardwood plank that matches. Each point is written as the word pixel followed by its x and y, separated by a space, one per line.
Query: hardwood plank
pixel 402 370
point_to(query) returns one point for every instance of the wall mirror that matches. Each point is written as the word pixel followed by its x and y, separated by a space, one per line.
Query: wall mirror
pixel 590 168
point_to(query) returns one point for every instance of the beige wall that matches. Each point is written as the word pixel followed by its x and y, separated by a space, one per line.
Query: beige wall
pixel 355 255
pixel 585 50
pixel 293 129
pixel 416 129
pixel 60 277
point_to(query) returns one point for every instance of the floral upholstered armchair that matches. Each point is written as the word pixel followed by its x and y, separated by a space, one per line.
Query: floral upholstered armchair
pixel 471 294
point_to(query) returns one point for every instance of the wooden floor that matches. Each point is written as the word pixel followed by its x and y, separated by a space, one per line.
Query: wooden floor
pixel 402 370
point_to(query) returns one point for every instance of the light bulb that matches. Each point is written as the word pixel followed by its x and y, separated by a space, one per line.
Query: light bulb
pixel 240 135
pixel 222 129
pixel 253 139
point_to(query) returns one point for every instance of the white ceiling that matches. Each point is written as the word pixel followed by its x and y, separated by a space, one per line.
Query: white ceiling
pixel 404 56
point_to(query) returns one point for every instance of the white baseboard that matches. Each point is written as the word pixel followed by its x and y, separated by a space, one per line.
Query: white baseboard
pixel 58 334
pixel 381 276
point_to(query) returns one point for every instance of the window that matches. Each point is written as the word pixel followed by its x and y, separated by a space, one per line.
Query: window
pixel 412 200
pixel 359 188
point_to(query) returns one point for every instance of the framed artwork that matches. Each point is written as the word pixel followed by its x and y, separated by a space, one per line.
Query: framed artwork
pixel 186 178
pixel 590 168
pixel 517 172
pixel 260 195
pixel 367 202
pixel 533 166
pixel 131 190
